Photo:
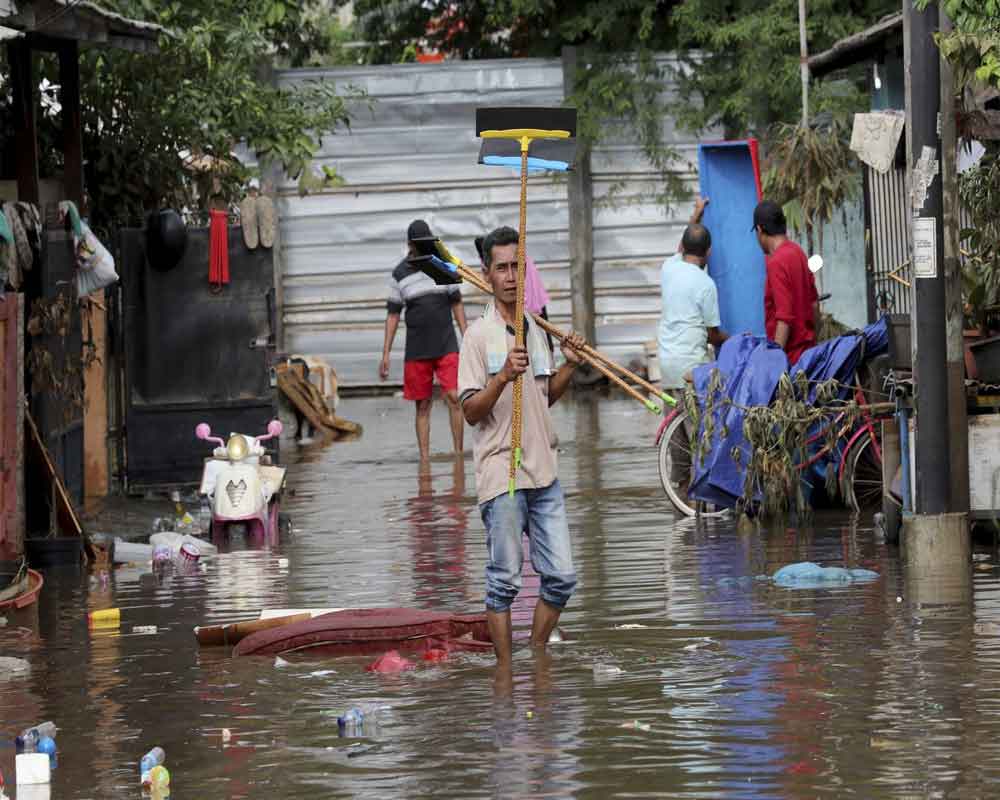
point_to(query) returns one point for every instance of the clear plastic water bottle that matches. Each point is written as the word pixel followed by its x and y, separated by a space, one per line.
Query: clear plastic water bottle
pixel 27 742
pixel 359 720
pixel 153 758
pixel 205 515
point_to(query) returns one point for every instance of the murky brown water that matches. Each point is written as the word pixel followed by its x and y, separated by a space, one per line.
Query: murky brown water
pixel 748 691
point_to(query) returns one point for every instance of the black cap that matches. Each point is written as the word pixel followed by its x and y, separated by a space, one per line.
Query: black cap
pixel 418 230
pixel 769 216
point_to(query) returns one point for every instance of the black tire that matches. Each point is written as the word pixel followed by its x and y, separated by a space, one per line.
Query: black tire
pixel 862 483
pixel 674 460
pixel 284 524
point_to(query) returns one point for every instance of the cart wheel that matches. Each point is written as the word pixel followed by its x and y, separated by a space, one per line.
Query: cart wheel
pixel 675 469
pixel 862 481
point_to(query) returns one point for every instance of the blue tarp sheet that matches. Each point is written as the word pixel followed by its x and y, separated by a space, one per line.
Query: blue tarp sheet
pixel 750 368
pixel 728 179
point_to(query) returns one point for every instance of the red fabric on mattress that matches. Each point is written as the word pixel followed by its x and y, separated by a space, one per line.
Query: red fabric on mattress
pixel 367 631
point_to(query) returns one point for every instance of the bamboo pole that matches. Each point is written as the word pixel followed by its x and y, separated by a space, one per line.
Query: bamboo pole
pixel 518 398
pixel 595 358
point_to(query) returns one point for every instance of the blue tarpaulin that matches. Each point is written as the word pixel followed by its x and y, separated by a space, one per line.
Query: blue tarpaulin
pixel 729 178
pixel 750 368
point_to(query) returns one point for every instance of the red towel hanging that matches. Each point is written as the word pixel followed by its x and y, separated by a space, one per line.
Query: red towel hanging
pixel 218 258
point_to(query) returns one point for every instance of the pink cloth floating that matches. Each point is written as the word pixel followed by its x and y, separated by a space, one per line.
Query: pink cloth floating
pixel 390 662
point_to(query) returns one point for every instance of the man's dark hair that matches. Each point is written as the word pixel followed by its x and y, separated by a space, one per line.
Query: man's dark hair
pixel 479 245
pixel 769 217
pixel 696 240
pixel 498 238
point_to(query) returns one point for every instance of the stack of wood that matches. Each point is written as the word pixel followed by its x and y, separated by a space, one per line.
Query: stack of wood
pixel 309 401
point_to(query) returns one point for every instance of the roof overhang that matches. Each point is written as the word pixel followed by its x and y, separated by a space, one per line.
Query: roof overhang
pixel 85 22
pixel 857 47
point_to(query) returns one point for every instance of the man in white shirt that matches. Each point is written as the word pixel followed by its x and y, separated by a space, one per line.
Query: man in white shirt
pixel 689 318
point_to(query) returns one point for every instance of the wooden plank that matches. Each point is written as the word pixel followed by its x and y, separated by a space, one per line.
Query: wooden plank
pixel 580 193
pixel 69 522
pixel 12 426
pixel 23 83
pixel 94 320
pixel 290 384
pixel 69 98
pixel 311 404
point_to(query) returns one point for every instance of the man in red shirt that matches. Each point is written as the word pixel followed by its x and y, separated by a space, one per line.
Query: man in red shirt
pixel 791 303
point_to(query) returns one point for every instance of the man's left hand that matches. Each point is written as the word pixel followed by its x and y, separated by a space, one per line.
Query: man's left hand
pixel 572 347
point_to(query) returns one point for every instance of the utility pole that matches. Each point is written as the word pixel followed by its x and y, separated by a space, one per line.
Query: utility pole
pixel 804 63
pixel 935 540
pixel 923 89
pixel 958 423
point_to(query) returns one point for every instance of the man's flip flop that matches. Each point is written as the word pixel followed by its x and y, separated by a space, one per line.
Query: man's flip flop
pixel 249 222
pixel 266 220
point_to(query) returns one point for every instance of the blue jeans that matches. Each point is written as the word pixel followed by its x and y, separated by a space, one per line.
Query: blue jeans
pixel 542 513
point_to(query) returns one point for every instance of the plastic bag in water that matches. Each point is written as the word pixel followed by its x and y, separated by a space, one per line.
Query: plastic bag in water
pixel 807 573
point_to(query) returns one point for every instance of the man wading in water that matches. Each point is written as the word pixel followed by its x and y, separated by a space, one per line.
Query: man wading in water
pixel 488 365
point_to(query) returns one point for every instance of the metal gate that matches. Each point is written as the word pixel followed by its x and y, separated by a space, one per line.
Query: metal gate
pixel 887 242
pixel 192 355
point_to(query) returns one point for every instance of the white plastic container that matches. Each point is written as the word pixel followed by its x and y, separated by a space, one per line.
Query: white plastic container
pixel 174 541
pixel 32 768
pixel 132 552
pixel 34 791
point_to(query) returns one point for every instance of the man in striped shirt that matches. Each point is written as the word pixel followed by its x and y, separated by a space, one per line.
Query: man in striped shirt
pixel 431 345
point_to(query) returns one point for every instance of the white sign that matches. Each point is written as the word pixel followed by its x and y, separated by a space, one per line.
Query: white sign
pixel 925 247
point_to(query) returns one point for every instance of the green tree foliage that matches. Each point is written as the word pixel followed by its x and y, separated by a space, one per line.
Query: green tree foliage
pixel 811 171
pixel 742 58
pixel 154 124
pixel 973 50
pixel 973 47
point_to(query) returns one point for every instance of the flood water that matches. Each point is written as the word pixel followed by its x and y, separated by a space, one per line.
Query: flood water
pixel 740 690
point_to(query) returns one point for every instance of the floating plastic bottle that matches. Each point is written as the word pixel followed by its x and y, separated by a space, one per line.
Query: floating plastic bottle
pixel 359 720
pixel 158 779
pixel 153 759
pixel 46 745
pixel 28 741
pixel 205 516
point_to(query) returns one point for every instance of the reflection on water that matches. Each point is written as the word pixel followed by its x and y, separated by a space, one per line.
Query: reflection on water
pixel 708 683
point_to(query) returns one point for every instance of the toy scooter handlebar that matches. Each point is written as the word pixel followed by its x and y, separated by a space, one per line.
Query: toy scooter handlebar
pixel 274 428
pixel 203 431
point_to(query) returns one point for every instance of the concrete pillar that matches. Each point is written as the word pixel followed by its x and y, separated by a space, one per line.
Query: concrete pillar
pixel 937 554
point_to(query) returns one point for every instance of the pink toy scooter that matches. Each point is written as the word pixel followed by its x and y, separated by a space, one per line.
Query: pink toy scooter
pixel 241 483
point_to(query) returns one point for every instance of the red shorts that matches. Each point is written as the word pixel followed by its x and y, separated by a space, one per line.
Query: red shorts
pixel 418 376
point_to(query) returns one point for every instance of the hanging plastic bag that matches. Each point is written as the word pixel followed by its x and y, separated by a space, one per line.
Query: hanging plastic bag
pixel 95 266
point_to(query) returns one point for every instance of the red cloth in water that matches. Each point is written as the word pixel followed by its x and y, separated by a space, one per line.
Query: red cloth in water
pixel 218 258
pixel 390 662
pixel 436 654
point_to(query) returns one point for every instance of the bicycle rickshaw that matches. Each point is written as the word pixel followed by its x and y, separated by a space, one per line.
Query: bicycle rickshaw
pixel 844 377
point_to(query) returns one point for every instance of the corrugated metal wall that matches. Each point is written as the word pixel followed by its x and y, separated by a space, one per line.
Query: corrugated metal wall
pixel 412 153
pixel 890 234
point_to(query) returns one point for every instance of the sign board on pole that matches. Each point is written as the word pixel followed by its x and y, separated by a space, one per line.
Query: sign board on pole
pixel 925 247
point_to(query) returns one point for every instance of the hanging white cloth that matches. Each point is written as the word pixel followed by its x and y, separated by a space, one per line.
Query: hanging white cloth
pixel 875 137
